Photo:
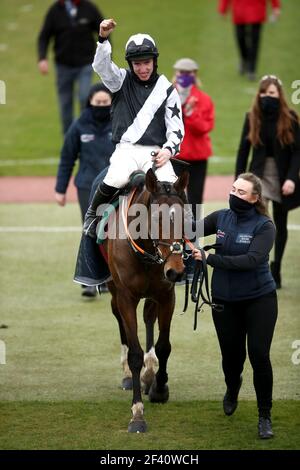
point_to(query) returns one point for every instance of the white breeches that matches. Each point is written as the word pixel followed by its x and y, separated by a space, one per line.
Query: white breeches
pixel 131 157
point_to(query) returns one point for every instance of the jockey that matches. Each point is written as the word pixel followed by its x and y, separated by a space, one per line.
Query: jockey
pixel 146 116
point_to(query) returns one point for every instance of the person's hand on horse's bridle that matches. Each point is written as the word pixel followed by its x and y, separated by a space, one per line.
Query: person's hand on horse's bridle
pixel 197 255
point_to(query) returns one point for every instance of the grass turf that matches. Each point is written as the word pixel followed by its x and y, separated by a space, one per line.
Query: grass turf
pixel 179 425
pixel 60 384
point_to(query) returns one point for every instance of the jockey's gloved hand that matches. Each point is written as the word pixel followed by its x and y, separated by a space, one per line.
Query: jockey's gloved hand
pixel 103 195
pixel 90 222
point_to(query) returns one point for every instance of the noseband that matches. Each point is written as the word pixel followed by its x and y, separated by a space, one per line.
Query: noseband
pixel 176 248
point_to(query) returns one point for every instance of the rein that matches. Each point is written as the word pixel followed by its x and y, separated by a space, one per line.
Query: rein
pixel 200 286
pixel 200 283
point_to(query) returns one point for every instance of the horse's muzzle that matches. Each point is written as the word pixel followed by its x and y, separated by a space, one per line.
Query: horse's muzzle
pixel 173 275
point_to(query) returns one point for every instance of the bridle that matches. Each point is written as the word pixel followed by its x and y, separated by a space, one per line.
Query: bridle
pixel 200 286
pixel 200 282
pixel 175 248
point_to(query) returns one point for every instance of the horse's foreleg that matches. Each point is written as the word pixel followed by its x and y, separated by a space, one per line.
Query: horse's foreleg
pixel 150 315
pixel 159 391
pixel 150 358
pixel 127 309
pixel 127 379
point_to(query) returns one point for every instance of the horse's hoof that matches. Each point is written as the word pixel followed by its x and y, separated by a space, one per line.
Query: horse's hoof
pixel 127 383
pixel 137 426
pixel 156 396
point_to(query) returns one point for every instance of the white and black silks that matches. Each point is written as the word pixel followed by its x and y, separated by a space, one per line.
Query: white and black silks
pixel 146 113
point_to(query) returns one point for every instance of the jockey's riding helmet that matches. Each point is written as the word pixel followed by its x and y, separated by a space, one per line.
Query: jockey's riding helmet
pixel 140 46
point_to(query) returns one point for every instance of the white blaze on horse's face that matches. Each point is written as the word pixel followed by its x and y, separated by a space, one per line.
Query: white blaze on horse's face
pixel 166 222
pixel 171 235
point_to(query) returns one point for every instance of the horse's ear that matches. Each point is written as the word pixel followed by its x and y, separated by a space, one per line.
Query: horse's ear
pixel 151 181
pixel 182 182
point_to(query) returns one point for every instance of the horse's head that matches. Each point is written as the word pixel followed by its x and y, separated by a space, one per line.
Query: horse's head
pixel 166 222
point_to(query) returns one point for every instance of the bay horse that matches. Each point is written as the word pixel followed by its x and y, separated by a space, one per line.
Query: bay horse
pixel 147 268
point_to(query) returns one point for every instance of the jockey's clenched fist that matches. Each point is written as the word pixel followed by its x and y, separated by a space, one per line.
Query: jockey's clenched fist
pixel 106 27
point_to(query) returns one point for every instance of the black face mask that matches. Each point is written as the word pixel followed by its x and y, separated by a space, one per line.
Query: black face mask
pixel 101 113
pixel 238 205
pixel 269 104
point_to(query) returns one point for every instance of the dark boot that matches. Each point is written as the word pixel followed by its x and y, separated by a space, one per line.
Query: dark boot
pixel 275 270
pixel 265 428
pixel 103 195
pixel 230 400
pixel 89 291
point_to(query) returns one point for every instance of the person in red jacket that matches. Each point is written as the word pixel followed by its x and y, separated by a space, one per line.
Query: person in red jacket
pixel 198 118
pixel 248 17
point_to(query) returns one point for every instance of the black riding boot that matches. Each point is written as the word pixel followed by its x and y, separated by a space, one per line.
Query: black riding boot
pixel 103 195
pixel 275 270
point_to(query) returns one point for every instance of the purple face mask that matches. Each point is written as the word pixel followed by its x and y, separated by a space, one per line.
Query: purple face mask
pixel 185 80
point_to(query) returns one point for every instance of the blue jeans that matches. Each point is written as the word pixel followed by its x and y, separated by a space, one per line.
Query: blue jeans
pixel 66 78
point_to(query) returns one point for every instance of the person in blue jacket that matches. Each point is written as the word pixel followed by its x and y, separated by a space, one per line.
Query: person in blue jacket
pixel 89 140
pixel 243 285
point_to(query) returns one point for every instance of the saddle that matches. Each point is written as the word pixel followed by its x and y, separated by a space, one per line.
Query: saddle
pixel 91 265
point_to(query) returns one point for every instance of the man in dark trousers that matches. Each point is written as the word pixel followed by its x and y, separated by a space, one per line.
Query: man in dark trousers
pixel 74 26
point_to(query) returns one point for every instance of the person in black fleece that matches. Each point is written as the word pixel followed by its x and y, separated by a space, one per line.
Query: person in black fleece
pixel 244 293
pixel 89 140
pixel 73 24
pixel 272 129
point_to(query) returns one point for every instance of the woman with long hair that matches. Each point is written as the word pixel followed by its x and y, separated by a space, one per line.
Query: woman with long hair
pixel 272 130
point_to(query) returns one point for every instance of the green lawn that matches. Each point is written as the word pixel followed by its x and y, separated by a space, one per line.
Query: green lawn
pixel 30 132
pixel 199 425
pixel 60 384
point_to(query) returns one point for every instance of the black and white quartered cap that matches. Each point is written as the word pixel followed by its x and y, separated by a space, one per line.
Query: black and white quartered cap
pixel 140 46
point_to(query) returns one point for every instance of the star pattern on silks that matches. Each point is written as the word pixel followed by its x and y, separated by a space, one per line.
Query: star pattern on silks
pixel 176 148
pixel 179 134
pixel 175 110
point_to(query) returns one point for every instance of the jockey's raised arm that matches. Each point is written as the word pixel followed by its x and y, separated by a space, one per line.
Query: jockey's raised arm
pixel 111 75
pixel 146 115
